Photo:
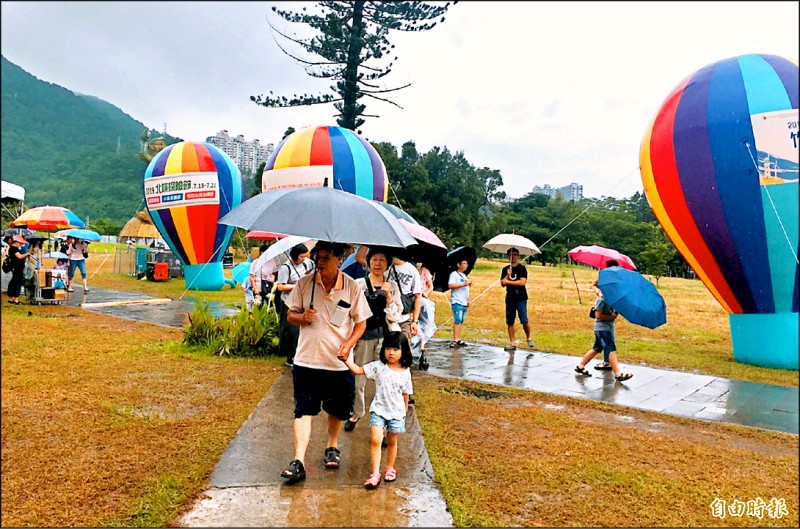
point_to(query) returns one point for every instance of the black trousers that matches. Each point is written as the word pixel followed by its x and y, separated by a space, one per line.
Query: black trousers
pixel 15 284
pixel 289 334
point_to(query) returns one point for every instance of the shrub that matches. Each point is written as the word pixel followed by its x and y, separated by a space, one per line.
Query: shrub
pixel 248 334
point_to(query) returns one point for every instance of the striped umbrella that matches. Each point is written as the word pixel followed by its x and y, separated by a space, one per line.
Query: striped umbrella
pixel 48 218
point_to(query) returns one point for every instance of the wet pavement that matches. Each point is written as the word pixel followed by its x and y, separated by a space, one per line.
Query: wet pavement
pixel 247 491
pixel 662 390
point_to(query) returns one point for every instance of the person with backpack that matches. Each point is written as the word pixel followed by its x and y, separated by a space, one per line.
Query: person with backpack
pixel 407 278
pixel 290 272
pixel 383 297
pixel 17 257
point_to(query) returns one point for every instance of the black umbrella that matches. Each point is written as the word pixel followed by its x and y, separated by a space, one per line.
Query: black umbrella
pixel 448 265
pixel 25 232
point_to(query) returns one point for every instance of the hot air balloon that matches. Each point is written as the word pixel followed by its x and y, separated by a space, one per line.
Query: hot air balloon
pixel 719 163
pixel 187 188
pixel 310 155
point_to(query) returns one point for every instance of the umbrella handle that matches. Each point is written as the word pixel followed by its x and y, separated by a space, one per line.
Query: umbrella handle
pixel 313 286
pixel 511 277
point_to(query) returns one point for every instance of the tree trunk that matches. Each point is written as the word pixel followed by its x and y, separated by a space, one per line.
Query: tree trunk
pixel 350 93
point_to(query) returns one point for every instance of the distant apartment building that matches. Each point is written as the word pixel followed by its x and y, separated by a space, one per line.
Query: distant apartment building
pixel 247 155
pixel 572 191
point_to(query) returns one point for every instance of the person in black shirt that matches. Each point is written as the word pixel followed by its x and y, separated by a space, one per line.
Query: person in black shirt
pixel 18 258
pixel 514 277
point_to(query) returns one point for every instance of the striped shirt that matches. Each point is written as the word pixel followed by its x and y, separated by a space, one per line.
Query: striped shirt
pixel 319 342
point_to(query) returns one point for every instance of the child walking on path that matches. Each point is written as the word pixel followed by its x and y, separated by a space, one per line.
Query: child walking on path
pixel 389 407
pixel 603 338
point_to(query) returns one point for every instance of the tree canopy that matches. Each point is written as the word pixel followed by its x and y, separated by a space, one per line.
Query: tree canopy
pixel 351 47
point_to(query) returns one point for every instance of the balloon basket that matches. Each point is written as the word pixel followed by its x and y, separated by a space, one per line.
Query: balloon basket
pixel 766 340
pixel 206 276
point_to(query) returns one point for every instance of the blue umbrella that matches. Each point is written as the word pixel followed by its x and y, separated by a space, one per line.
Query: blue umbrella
pixel 633 296
pixel 240 272
pixel 82 234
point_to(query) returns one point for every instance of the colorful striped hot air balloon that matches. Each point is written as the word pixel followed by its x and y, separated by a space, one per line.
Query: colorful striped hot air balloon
pixel 310 155
pixel 187 187
pixel 719 163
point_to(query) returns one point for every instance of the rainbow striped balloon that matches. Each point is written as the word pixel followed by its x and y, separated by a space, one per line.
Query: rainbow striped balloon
pixel 719 164
pixel 188 187
pixel 310 155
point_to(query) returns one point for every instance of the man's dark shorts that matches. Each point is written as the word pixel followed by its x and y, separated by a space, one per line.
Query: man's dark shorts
pixel 514 307
pixel 334 391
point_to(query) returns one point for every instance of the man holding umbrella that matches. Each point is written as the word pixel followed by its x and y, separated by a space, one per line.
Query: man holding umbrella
pixel 331 311
pixel 514 277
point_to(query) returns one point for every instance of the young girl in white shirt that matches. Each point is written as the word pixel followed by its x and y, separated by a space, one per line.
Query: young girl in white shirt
pixel 389 408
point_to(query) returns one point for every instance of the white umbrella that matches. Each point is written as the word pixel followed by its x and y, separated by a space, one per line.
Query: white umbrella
pixel 277 253
pixel 505 241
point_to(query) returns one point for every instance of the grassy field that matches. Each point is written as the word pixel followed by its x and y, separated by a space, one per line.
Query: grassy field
pixel 696 337
pixel 115 423
pixel 508 458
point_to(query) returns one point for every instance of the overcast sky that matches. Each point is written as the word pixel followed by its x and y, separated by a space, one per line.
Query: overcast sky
pixel 547 93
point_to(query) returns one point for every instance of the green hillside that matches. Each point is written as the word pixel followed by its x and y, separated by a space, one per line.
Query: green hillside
pixel 70 149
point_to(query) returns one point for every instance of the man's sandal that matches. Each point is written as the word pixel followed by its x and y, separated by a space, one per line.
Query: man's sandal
pixel 603 366
pixel 332 458
pixel 623 376
pixel 373 481
pixel 390 475
pixel 295 472
pixel 582 371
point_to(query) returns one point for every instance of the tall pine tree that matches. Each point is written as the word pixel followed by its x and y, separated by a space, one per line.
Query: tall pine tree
pixel 352 48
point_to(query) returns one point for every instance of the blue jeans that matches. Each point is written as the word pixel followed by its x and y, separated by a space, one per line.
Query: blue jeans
pixel 604 343
pixel 80 264
pixel 459 311
pixel 391 425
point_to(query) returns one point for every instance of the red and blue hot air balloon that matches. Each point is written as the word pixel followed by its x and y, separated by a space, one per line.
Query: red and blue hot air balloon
pixel 310 155
pixel 188 187
pixel 719 163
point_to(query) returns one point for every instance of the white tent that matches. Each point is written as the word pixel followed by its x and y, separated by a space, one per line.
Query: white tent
pixel 13 196
pixel 12 191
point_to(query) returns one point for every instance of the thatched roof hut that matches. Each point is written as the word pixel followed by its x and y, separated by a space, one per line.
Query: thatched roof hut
pixel 140 228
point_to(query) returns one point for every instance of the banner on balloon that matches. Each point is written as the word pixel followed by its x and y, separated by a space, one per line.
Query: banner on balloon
pixel 186 189
pixel 299 177
pixel 776 140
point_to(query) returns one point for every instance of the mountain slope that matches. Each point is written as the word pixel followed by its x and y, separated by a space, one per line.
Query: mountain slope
pixel 69 149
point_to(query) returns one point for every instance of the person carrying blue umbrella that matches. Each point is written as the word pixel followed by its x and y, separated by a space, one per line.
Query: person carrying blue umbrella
pixel 604 342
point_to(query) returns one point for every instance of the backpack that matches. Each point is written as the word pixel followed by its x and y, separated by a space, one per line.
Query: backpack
pixel 7 267
pixel 407 299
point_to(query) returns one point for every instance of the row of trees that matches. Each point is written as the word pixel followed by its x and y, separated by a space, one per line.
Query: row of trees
pixel 464 206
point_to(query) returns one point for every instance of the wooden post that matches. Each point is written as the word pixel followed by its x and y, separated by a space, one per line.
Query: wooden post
pixel 576 287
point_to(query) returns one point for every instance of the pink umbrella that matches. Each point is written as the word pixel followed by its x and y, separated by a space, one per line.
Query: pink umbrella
pixel 264 235
pixel 421 233
pixel 597 256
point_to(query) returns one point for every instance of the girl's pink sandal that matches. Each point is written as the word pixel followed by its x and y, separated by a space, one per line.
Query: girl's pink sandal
pixel 391 475
pixel 373 481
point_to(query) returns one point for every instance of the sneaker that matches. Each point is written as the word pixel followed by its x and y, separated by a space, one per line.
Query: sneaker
pixel 530 343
